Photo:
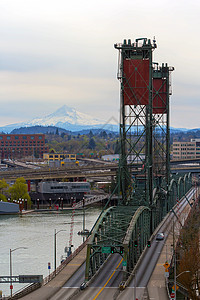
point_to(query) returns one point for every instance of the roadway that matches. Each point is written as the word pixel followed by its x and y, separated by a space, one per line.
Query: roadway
pixel 105 286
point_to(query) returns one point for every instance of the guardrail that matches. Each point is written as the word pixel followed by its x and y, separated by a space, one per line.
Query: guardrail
pixel 63 264
pixel 24 291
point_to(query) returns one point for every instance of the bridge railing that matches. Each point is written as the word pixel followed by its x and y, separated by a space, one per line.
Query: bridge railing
pixel 64 263
pixel 90 200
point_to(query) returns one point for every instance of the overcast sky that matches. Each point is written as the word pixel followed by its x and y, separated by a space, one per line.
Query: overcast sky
pixel 57 52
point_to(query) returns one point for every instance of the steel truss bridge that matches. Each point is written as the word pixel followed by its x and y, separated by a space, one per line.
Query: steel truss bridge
pixel 126 229
pixel 145 197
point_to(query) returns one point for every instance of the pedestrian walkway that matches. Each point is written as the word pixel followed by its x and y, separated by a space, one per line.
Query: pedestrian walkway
pixel 157 288
pixel 51 288
pixel 157 285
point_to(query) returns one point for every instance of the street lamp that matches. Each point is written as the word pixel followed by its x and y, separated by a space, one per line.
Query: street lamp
pixel 61 203
pixel 182 273
pixel 12 250
pixel 175 281
pixel 55 246
pixel 38 203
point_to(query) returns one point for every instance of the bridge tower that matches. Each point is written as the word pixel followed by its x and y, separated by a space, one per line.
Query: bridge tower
pixel 144 121
pixel 146 191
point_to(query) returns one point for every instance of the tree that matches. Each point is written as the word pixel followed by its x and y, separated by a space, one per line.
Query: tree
pixel 52 150
pixel 3 189
pixel 92 144
pixel 104 134
pixel 188 252
pixel 19 190
pixel 117 147
pixel 91 134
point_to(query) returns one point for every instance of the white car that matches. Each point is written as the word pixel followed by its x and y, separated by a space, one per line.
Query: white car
pixel 160 236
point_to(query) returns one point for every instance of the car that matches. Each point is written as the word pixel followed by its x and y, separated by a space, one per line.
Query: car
pixel 83 286
pixel 122 285
pixel 160 236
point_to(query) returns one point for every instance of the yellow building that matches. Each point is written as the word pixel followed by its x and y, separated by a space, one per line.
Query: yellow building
pixel 59 156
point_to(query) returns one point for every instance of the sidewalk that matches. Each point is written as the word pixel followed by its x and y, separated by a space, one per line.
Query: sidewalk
pixel 51 288
pixel 157 285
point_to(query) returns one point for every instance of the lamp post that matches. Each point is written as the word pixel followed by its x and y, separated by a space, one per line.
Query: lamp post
pixel 83 213
pixel 25 204
pixel 55 246
pixel 38 203
pixel 61 203
pixel 176 278
pixel 12 250
pixel 182 273
pixel 49 203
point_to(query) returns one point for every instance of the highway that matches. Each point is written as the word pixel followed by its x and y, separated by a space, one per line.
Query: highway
pixel 105 285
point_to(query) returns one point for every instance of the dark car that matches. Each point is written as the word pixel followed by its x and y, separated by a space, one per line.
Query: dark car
pixel 160 236
pixel 83 286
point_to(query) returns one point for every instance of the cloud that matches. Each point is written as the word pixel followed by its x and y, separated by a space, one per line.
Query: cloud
pixel 52 90
pixel 61 52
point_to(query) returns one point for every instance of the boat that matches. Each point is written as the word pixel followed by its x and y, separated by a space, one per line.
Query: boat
pixel 7 208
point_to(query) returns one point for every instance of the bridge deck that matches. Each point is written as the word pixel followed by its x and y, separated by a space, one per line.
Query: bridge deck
pixel 51 288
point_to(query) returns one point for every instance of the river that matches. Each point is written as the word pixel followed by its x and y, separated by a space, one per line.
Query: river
pixel 35 231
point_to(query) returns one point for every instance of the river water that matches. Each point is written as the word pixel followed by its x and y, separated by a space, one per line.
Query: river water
pixel 35 231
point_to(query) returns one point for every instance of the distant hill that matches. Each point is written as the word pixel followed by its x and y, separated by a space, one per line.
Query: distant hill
pixel 39 129
pixel 54 130
pixel 94 131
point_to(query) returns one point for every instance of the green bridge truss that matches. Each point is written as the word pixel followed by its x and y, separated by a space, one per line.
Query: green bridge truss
pixel 126 229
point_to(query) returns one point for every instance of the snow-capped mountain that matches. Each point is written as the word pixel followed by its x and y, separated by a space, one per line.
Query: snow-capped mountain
pixel 65 115
pixel 67 118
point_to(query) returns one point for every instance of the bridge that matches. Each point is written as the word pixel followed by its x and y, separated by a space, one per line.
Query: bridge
pixel 97 170
pixel 122 250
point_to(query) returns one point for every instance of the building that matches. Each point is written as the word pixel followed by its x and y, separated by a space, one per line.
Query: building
pixel 186 150
pixel 22 145
pixel 59 156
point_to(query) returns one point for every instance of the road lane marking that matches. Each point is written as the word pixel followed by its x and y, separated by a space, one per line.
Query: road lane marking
pixel 107 280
